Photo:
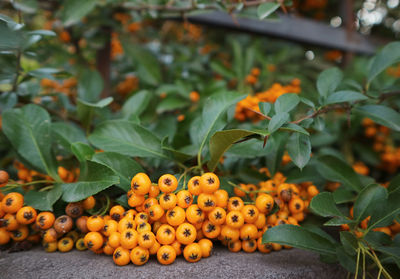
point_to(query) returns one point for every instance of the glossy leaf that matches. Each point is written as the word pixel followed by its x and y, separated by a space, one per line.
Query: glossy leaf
pixel 43 201
pixel 345 96
pixel 136 104
pixel 286 102
pixel 99 178
pixel 127 138
pixel 75 10
pixel 299 149
pixel 389 55
pixel 29 131
pixel 328 81
pixel 380 114
pixel 90 85
pixel 265 9
pixel 277 121
pixel 67 133
pixel 368 201
pixel 324 205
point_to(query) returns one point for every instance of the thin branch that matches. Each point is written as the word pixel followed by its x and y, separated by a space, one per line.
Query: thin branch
pixel 259 113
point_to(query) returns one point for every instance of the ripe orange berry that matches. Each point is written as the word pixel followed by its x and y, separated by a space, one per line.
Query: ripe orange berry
pixel 250 213
pixel 65 244
pixel 117 212
pixel 167 183
pixel 192 253
pixel 93 240
pixel 110 226
pixel 166 254
pixel 206 202
pixel 217 216
pixel 153 249
pixel 143 227
pixel 230 234
pixel 108 250
pixel 89 203
pixel 261 221
pixel 186 233
pixel 139 255
pixel 209 183
pixel 264 203
pixel 165 234
pixel 184 198
pixel 10 222
pixel 222 198
pixel 3 178
pixel 45 220
pixel 234 219
pixel 149 203
pixel 210 230
pixel 176 216
pixel 296 205
pixel 26 215
pixel 263 247
pixel 114 240
pixel 95 223
pixel 4 236
pixel 121 256
pixel 194 96
pixel 178 247
pixel 81 224
pixel 141 217
pixel 141 184
pixel 168 200
pixel 249 246
pixel 235 246
pixel 235 203
pixel 206 246
pixel 312 190
pixel 50 235
pixel 194 214
pixel 146 239
pixel 154 191
pixel 248 231
pixel 20 234
pixel 194 186
pixel 12 202
pixel 129 239
pixel 156 212
pixel 135 200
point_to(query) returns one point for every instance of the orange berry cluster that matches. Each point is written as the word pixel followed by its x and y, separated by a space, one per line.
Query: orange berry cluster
pixel 252 78
pixel 129 84
pixel 67 86
pixel 26 175
pixel 68 176
pixel 389 155
pixel 244 107
pixel 21 223
pixel 116 46
pixel 391 230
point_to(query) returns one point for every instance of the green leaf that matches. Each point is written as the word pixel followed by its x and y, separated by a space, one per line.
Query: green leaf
pixel 345 96
pixel 10 39
pixel 299 237
pixel 334 169
pixel 307 102
pixel 136 104
pixel 346 260
pixel 368 201
pixel 99 178
pixel 29 131
pixel 75 10
pixel 67 133
pixel 349 241
pixel 286 102
pixel 275 148
pixel 265 9
pixel 343 195
pixel 381 114
pixel 100 104
pixel 122 165
pixel 149 68
pixel 294 128
pixel 127 138
pixel 324 205
pixel 82 151
pixel 338 221
pixel 277 121
pixel 211 119
pixel 386 213
pixel 299 149
pixel 44 73
pixel 265 107
pixel 171 103
pixel 389 55
pixel 328 81
pixel 90 85
pixel 221 141
pixel 394 185
pixel 43 201
pixel 222 70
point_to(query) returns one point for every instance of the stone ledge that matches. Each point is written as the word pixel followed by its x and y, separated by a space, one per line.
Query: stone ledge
pixel 285 264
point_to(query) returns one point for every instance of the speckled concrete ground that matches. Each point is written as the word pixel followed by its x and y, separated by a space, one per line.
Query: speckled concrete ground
pixel 222 264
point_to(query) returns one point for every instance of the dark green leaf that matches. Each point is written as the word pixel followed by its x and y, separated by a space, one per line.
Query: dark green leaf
pixel 127 138
pixel 277 121
pixel 90 85
pixel 338 221
pixel 346 260
pixel 343 195
pixel 294 128
pixel 43 201
pixel 324 205
pixel 98 179
pixel 264 107
pixel 328 81
pixel 335 169
pixel 345 96
pixel 349 241
pixel 381 114
pixel 82 151
pixel 368 201
pixel 136 104
pixel 100 104
pixel 299 149
pixel 29 131
pixel 389 55
pixel 286 103
pixel 67 133
pixel 298 237
pixel 394 184
pixel 122 165
pixel 171 103
pixel 221 141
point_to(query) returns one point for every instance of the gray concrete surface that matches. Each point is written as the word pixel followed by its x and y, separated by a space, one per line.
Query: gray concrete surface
pixel 222 264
